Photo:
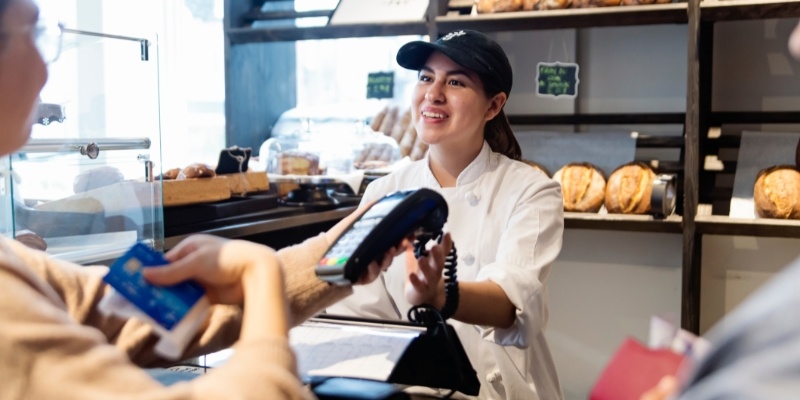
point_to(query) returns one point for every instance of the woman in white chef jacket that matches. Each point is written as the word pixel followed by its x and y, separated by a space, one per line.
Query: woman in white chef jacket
pixel 505 218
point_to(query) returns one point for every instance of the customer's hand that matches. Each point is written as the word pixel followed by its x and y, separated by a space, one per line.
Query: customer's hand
pixel 219 265
pixel 666 388
pixel 376 267
pixel 424 284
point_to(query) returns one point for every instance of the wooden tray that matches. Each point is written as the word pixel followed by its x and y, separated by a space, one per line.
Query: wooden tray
pixel 194 191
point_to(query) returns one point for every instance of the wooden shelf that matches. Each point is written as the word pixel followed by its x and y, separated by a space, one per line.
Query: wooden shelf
pixel 764 117
pixel 672 13
pixel 723 225
pixel 731 10
pixel 598 119
pixel 261 35
pixel 622 222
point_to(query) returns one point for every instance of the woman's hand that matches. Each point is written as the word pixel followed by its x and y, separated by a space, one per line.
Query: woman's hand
pixel 218 264
pixel 424 284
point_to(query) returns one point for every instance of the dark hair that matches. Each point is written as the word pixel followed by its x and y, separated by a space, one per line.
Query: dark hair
pixel 498 131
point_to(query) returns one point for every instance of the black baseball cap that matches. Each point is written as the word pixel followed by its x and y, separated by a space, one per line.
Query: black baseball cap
pixel 470 49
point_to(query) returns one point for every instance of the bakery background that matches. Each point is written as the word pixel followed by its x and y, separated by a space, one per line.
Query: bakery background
pixel 606 282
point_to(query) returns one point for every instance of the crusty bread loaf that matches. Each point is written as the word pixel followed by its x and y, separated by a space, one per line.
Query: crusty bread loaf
pixel 401 125
pixel 408 140
pixel 378 120
pixel 495 6
pixel 387 125
pixel 537 166
pixel 776 193
pixel 583 187
pixel 628 189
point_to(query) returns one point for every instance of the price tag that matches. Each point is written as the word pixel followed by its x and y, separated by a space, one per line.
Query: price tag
pixel 557 79
pixel 380 85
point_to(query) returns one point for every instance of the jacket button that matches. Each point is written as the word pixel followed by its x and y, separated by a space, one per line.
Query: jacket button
pixel 493 376
pixel 469 259
pixel 472 199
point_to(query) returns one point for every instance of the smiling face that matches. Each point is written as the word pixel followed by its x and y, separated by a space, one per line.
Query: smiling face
pixel 450 106
pixel 22 74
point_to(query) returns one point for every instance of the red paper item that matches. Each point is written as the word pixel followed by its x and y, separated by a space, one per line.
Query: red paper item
pixel 633 370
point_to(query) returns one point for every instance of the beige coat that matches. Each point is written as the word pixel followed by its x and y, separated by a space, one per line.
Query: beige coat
pixel 54 344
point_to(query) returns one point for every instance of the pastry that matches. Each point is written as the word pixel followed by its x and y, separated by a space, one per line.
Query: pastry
pixel 31 240
pixel 583 187
pixel 196 170
pixel 495 6
pixel 546 4
pixel 96 178
pixel 776 193
pixel 171 174
pixel 628 189
pixel 294 162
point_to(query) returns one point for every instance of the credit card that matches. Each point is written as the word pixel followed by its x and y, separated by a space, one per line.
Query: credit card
pixel 167 305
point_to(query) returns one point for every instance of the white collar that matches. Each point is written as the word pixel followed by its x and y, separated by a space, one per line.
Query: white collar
pixel 475 168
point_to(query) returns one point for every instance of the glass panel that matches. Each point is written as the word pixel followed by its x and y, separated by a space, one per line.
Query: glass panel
pixel 84 180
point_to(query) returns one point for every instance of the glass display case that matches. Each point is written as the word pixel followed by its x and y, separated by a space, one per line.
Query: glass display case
pixel 84 182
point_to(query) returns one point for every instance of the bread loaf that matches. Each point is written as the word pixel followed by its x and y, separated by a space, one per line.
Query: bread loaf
pixel 378 120
pixel 628 189
pixel 495 6
pixel 583 187
pixel 529 5
pixel 401 125
pixel 407 142
pixel 196 170
pixel 776 193
pixel 387 125
pixel 594 3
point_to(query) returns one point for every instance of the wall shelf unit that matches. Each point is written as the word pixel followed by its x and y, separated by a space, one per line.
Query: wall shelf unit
pixel 696 185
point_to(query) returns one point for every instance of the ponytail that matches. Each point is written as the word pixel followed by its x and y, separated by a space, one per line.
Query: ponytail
pixel 497 131
pixel 501 138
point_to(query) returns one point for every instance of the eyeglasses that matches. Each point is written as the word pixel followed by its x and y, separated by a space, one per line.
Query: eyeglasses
pixel 48 36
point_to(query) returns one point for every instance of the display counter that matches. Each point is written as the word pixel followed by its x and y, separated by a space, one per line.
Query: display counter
pixel 276 227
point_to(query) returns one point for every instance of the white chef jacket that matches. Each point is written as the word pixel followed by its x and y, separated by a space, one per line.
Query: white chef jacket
pixel 506 220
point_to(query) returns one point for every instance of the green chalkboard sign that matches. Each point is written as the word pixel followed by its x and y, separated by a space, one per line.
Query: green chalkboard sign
pixel 557 79
pixel 380 85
